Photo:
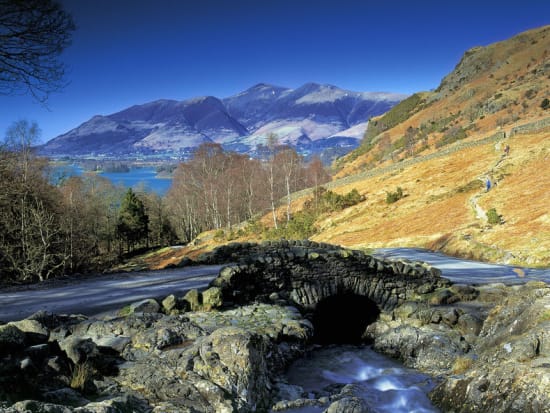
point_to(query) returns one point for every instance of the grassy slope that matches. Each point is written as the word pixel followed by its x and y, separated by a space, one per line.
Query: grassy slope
pixel 492 89
pixel 437 211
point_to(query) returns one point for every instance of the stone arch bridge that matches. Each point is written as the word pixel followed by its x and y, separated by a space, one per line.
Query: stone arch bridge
pixel 326 282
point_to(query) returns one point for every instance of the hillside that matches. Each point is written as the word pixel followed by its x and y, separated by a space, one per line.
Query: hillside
pixel 492 88
pixel 440 147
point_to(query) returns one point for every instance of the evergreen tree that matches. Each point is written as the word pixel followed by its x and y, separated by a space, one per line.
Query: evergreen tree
pixel 133 223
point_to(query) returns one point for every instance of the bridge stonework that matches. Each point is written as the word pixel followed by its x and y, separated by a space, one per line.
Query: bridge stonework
pixel 305 273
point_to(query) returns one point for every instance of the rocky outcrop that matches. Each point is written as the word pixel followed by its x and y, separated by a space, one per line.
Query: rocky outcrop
pixel 147 361
pixel 490 346
pixel 224 349
pixel 508 368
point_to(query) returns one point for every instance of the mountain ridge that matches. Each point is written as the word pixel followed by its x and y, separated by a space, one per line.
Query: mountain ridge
pixel 300 117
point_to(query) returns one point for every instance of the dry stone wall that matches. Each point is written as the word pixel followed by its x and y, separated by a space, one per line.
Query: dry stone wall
pixel 304 273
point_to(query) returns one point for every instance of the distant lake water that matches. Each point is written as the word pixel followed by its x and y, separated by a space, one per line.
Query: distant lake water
pixel 145 177
pixel 137 177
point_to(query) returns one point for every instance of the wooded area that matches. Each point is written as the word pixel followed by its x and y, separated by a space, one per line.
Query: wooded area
pixel 84 223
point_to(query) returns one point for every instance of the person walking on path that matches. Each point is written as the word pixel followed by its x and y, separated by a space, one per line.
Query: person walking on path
pixel 507 150
pixel 487 185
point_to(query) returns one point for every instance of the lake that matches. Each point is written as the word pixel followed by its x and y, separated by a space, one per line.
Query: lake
pixel 136 177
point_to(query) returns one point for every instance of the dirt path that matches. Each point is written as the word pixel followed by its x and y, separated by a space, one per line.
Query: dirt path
pixel 480 213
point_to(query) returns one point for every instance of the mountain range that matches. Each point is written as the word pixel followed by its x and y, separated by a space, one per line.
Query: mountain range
pixel 313 118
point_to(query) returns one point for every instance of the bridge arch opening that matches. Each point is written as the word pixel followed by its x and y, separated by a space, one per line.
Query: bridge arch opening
pixel 342 319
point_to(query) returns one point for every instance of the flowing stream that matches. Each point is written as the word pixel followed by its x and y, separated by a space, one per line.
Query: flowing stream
pixel 383 383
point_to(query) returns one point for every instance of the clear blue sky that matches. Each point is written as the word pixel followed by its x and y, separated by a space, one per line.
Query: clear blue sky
pixel 127 52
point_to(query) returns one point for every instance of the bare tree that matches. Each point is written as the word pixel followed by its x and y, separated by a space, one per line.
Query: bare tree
pixel 33 33
pixel 31 242
pixel 290 163
pixel 272 144
pixel 410 140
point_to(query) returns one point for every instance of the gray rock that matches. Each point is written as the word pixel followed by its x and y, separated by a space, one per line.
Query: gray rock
pixel 11 338
pixel 148 305
pixel 170 303
pixel 35 332
pixel 234 359
pixel 194 299
pixel 212 298
pixel 349 405
pixel 78 349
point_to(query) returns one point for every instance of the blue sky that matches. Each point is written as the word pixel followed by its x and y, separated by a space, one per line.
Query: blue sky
pixel 127 52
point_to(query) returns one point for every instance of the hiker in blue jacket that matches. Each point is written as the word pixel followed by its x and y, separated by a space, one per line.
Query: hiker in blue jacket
pixel 488 185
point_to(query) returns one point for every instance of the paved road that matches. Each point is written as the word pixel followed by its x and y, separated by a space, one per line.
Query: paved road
pixel 468 272
pixel 94 296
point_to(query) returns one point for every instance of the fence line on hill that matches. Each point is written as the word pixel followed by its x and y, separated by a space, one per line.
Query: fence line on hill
pixel 500 135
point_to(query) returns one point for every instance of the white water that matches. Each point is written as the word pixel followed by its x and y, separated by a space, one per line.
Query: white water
pixel 383 383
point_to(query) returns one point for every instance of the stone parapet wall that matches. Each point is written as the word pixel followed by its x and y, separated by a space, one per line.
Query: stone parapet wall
pixel 304 273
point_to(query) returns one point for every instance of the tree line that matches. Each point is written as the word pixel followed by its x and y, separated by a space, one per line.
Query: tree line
pixel 82 223
pixel 218 189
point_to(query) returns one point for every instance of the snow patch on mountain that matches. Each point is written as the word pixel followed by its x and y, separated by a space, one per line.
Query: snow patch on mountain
pixel 324 94
pixel 306 117
pixel 356 131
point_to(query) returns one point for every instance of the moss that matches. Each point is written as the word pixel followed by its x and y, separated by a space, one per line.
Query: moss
pixel 462 364
pixel 125 311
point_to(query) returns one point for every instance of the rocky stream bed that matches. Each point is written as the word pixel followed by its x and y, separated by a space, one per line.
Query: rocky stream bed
pixel 486 348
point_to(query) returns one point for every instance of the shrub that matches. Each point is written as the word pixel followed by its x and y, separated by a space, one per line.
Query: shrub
pixel 493 217
pixel 392 197
pixel 545 104
pixel 328 201
pixel 81 375
pixel 219 235
pixel 302 223
pixel 254 227
pixel 451 135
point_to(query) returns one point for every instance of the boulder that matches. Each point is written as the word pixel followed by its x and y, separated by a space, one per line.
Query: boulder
pixel 235 360
pixel 35 332
pixel 212 298
pixel 349 405
pixel 78 349
pixel 11 338
pixel 148 305
pixel 193 298
pixel 511 370
pixel 170 303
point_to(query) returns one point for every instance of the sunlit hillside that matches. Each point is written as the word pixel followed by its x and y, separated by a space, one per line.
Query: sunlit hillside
pixel 440 148
pixel 492 88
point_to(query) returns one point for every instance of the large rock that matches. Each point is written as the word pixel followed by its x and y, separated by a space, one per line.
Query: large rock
pixel 11 338
pixel 235 360
pixel 511 368
pixel 79 349
pixel 212 298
